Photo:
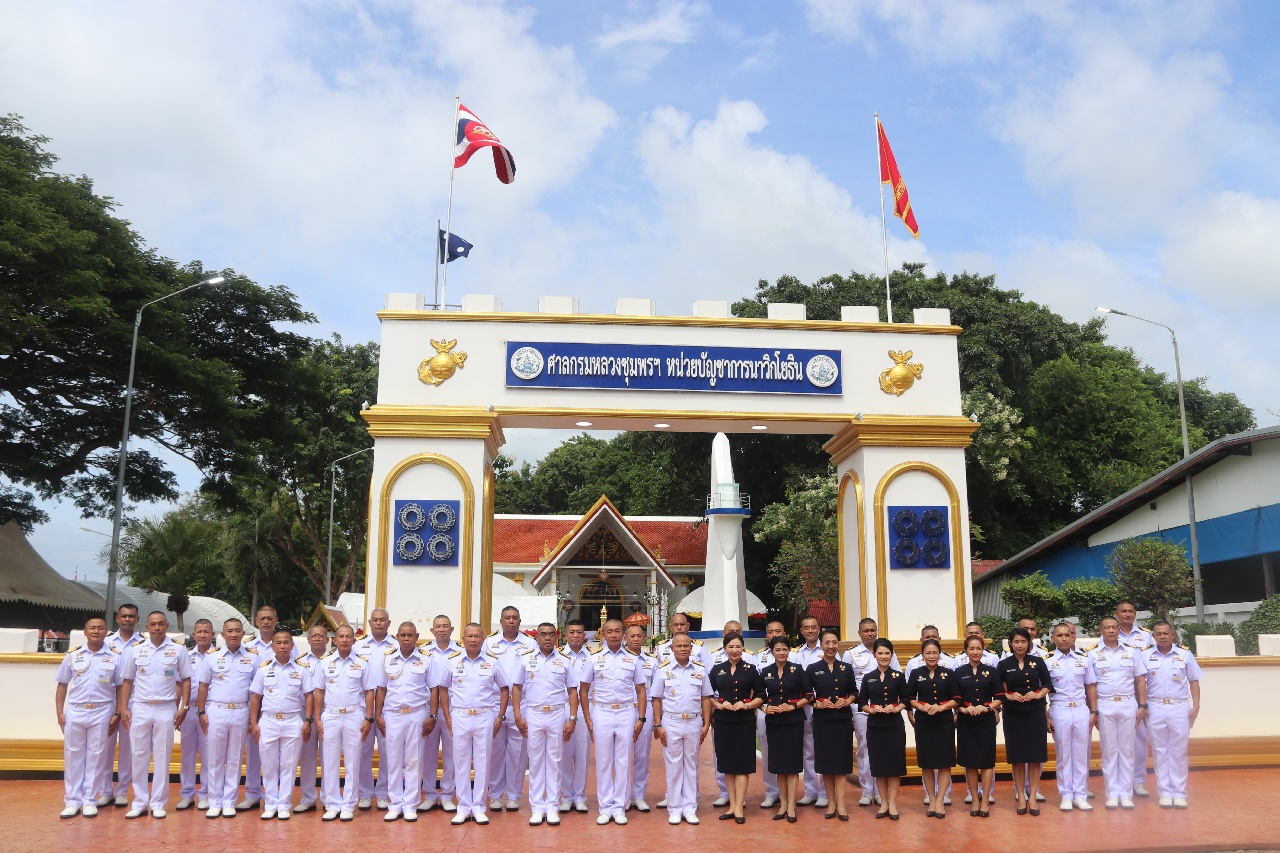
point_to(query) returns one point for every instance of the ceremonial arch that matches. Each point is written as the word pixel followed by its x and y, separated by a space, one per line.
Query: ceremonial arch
pixel 886 394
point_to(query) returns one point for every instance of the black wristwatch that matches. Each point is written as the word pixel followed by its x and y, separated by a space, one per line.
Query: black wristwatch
pixel 199 713
pixel 433 716
pixel 304 719
pixel 368 719
pixel 502 718
pixel 1142 704
pixel 644 719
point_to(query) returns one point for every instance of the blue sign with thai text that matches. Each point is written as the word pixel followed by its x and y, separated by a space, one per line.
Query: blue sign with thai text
pixel 649 367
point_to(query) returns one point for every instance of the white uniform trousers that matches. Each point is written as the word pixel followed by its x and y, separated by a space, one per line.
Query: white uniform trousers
pixel 193 744
pixel 573 766
pixel 341 744
pixel 614 729
pixel 1170 727
pixel 403 756
pixel 308 768
pixel 680 757
pixel 124 766
pixel 369 788
pixel 472 736
pixel 640 760
pixel 814 785
pixel 281 741
pixel 865 778
pixel 546 751
pixel 508 758
pixel 83 740
pixel 1141 736
pixel 252 769
pixel 1116 734
pixel 1072 739
pixel 437 754
pixel 152 736
pixel 224 745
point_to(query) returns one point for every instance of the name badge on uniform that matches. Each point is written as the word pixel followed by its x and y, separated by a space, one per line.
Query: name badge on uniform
pixel 270 677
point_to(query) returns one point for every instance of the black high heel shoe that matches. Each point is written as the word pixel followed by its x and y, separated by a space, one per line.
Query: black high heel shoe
pixel 1034 812
pixel 881 814
pixel 829 815
pixel 791 818
pixel 843 817
pixel 740 820
pixel 780 816
pixel 727 816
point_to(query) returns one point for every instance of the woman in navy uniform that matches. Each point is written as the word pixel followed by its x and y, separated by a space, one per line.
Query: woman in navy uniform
pixel 835 691
pixel 977 715
pixel 787 692
pixel 883 698
pixel 933 693
pixel 1025 682
pixel 736 691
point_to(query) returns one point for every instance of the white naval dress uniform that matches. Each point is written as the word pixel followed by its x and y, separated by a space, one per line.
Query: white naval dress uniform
pixel 508 756
pixel 192 740
pixel 612 678
pixel 681 689
pixel 1169 678
pixel 407 682
pixel 226 703
pixel 814 786
pixel 345 682
pixel 863 661
pixel 701 654
pixel 374 650
pixel 573 761
pixel 1142 640
pixel 252 759
pixel 309 754
pixel 1069 711
pixel 475 690
pixel 124 772
pixel 437 747
pixel 643 746
pixel 1113 670
pixel 91 678
pixel 161 677
pixel 545 682
pixel 283 688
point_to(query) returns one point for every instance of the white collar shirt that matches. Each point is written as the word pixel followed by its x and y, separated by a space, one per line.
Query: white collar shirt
pixel 117 644
pixel 989 658
pixel 282 686
pixel 438 658
pixel 682 687
pixel 1068 672
pixel 406 680
pixel 1169 676
pixel 546 679
pixel 91 677
pixel 863 661
pixel 344 680
pixel 945 661
pixel 1114 669
pixel 156 671
pixel 805 655
pixel 613 676
pixel 475 683
pixel 506 651
pixel 228 675
pixel 195 657
pixel 699 653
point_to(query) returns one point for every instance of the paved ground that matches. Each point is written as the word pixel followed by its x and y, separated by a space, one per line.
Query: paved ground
pixel 1229 811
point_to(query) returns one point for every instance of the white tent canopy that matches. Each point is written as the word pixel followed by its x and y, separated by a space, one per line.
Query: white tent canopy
pixel 692 603
pixel 533 608
pixel 200 607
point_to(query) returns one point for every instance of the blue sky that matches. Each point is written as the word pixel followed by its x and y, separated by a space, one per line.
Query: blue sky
pixel 1085 154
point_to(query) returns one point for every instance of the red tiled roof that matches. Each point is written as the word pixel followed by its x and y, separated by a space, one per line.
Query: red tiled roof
pixel 826 612
pixel 981 567
pixel 521 540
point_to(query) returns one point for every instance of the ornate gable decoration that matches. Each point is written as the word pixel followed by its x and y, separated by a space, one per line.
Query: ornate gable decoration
pixel 604 547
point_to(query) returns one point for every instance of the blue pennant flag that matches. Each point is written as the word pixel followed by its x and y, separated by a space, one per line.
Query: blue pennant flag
pixel 457 247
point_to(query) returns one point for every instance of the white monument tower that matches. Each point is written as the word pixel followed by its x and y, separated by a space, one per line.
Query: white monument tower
pixel 725 594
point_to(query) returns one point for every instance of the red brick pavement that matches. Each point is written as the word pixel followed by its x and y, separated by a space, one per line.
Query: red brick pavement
pixel 1229 811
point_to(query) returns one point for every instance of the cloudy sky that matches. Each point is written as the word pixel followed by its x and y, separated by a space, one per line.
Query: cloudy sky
pixel 1119 154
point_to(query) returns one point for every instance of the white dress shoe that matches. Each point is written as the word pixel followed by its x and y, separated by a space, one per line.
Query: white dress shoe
pixel 283 814
pixel 1039 797
pixel 158 814
pixel 603 819
pixel 1113 803
pixel 768 802
pixel 69 811
pixel 564 808
pixel 926 799
pixel 805 801
pixel 303 807
pixel 383 803
pixel 480 818
pixel 90 810
pixel 620 819
pixel 121 800
pixel 642 806
pixel 879 802
pixel 228 811
pixel 1178 803
pixel 449 806
pixel 946 801
pixel 662 804
pixel 553 818
pixel 1065 805
pixel 513 805
pixel 1127 805
pixel 459 819
pixel 133 814
pixel 246 804
pixel 427 805
pixel 213 812
pixel 535 819
pixel 865 801
pixel 580 806
pixel 267 814
pixel 821 803
pixel 330 814
pixel 495 805
pixel 346 815
pixel 391 815
pixel 968 798
pixel 674 820
pixel 104 800
pixel 202 804
pixel 689 817
pixel 1166 802
pixel 1082 805
pixel 1141 791
pixel 182 805
pixel 721 802
pixel 365 803
pixel 410 815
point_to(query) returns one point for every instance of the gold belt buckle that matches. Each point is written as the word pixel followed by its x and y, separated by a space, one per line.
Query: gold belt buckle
pixel 546 707
pixel 282 716
pixel 343 710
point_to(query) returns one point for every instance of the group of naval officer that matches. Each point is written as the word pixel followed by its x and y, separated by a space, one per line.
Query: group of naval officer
pixel 489 707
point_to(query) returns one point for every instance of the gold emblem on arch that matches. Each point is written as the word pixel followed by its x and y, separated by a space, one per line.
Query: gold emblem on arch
pixel 443 364
pixel 897 379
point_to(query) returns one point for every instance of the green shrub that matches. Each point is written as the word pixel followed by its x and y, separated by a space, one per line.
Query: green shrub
pixel 1265 620
pixel 1192 630
pixel 1090 599
pixel 1153 573
pixel 1033 597
pixel 996 628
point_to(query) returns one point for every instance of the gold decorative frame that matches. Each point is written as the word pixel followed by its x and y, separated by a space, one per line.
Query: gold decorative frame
pixel 486 549
pixel 851 477
pixel 957 542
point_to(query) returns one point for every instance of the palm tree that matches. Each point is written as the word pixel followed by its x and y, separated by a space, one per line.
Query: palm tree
pixel 176 554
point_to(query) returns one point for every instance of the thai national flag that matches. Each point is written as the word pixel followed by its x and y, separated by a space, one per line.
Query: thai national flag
pixel 472 136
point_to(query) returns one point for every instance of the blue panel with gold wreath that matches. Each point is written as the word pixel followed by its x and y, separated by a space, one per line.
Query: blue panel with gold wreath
pixel 919 537
pixel 426 533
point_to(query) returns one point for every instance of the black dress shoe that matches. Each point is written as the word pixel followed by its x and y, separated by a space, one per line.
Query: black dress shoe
pixel 740 819
pixel 829 815
pixel 791 818
pixel 727 816
pixel 894 817
pixel 780 816
pixel 843 817
pixel 881 814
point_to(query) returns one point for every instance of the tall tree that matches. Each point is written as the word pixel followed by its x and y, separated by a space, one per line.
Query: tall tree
pixel 181 553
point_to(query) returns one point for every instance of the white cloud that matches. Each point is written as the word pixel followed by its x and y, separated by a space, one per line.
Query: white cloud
pixel 1227 247
pixel 958 30
pixel 640 45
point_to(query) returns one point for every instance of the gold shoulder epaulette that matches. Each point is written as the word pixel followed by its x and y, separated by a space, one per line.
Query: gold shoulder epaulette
pixel 1186 648
pixel 390 652
pixel 1090 648
pixel 492 634
pixel 697 642
pixel 250 649
pixel 699 663
pixel 264 663
pixel 76 649
pixel 299 658
pixel 795 649
pixel 364 658
pixel 491 654
pixel 525 651
pixel 455 654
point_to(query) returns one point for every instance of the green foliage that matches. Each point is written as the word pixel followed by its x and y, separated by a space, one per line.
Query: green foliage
pixel 1192 630
pixel 1090 599
pixel 179 553
pixel 996 629
pixel 1153 573
pixel 807 566
pixel 1033 596
pixel 1264 620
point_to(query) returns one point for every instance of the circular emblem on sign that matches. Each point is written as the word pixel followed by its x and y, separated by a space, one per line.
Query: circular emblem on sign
pixel 933 522
pixel 822 371
pixel 440 547
pixel 410 546
pixel 935 552
pixel 442 517
pixel 906 523
pixel 412 516
pixel 906 552
pixel 526 363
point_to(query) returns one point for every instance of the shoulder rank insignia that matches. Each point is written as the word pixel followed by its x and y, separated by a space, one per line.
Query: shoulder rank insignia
pixel 363 657
pixel 264 663
pixel 697 663
pixel 455 654
pixel 1185 648
pixel 1090 648
pixel 491 654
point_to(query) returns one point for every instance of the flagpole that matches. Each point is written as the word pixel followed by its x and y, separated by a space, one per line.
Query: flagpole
pixel 448 218
pixel 436 297
pixel 884 228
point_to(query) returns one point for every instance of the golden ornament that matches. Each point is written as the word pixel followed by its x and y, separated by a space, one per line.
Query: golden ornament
pixel 443 364
pixel 902 375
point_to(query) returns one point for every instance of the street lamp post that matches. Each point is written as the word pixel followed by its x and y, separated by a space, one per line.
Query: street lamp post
pixel 333 489
pixel 1186 452
pixel 113 565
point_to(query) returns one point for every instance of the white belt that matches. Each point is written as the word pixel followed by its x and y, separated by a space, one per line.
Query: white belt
pixel 619 706
pixel 291 716
pixel 1080 703
pixel 1123 697
pixel 404 709
pixel 231 706
pixel 547 708
pixel 665 715
pixel 1168 701
pixel 473 712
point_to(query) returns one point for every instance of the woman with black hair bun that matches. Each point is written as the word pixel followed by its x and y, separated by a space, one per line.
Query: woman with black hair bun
pixel 933 693
pixel 1025 682
pixel 835 691
pixel 787 692
pixel 883 697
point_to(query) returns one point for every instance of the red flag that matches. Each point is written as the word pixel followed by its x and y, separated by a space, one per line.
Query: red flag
pixel 890 175
pixel 474 135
